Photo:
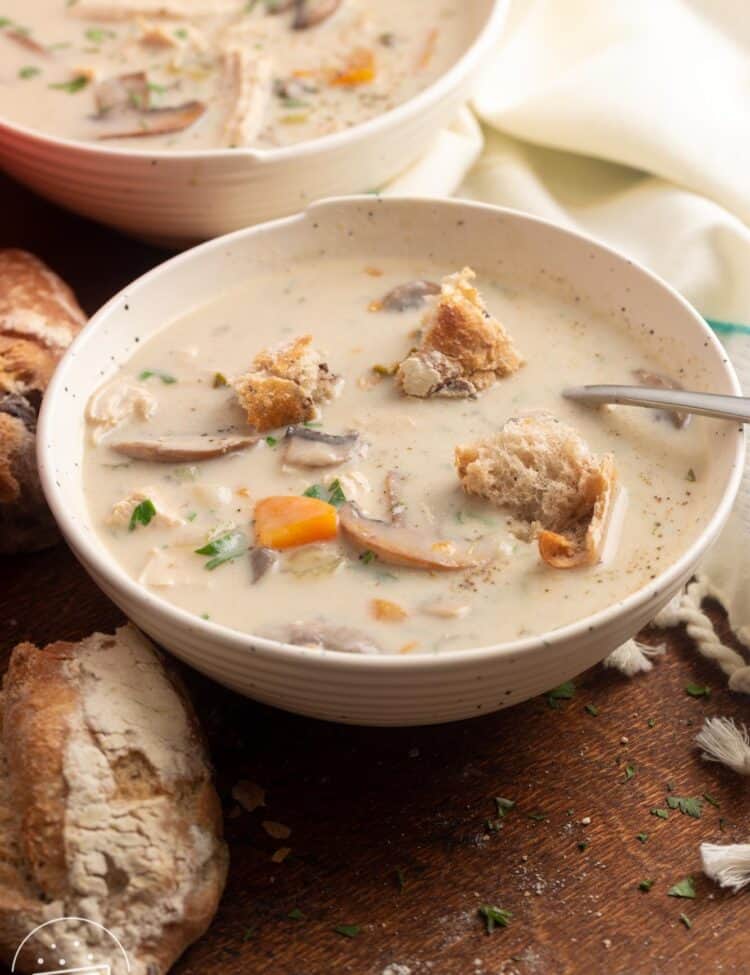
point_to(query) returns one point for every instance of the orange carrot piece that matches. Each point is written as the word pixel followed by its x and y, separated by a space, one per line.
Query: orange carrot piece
pixel 387 611
pixel 428 51
pixel 286 521
pixel 359 71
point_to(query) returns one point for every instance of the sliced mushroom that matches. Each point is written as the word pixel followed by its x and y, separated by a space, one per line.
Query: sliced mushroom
pixel 158 121
pixel 398 545
pixel 123 92
pixel 261 561
pixel 310 13
pixel 646 378
pixel 27 41
pixel 312 448
pixel 406 297
pixel 319 634
pixel 176 450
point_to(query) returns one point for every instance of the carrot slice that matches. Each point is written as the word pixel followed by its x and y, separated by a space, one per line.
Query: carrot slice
pixel 286 521
pixel 360 70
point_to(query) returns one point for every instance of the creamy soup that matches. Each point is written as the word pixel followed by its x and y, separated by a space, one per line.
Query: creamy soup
pixel 161 520
pixel 193 74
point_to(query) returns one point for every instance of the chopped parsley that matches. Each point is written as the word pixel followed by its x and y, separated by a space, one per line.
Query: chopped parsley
pixel 685 888
pixel 181 33
pixel 698 690
pixel 688 805
pixel 503 805
pixel 641 837
pixel 73 86
pixel 165 377
pixel 710 800
pixel 661 813
pixel 562 693
pixel 629 773
pixel 690 476
pixel 219 380
pixel 645 885
pixel 98 34
pixel 651 722
pixel 367 556
pixel 686 921
pixel 28 71
pixel 296 915
pixel 538 817
pixel 583 845
pixel 142 514
pixel 333 494
pixel 226 547
pixel 347 930
pixel 191 515
pixel 494 917
pixel 271 441
pixel 591 709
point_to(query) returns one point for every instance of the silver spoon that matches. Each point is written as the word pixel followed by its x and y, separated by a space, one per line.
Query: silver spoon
pixel 707 404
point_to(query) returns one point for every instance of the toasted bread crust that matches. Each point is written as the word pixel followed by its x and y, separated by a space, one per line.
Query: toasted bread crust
pixel 285 385
pixel 115 817
pixel 461 341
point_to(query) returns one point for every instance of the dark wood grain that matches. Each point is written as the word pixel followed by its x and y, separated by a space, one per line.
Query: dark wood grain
pixel 366 806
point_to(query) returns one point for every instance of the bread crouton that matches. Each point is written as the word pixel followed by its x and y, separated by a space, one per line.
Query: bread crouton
pixel 285 385
pixel 463 346
pixel 543 472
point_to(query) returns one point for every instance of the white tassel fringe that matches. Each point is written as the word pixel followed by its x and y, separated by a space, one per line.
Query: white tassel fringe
pixel 729 866
pixel 633 658
pixel 723 741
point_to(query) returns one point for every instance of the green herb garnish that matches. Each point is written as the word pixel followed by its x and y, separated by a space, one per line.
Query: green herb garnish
pixel 226 547
pixel 641 837
pixel 645 885
pixel 629 773
pixel 98 34
pixel 348 930
pixel 538 817
pixel 181 33
pixel 165 377
pixel 271 441
pixel 296 915
pixel 142 514
pixel 73 86
pixel 698 690
pixel 688 805
pixel 685 888
pixel 367 556
pixel 686 921
pixel 248 934
pixel 29 71
pixel 690 476
pixel 583 845
pixel 494 917
pixel 219 380
pixel 562 693
pixel 503 805
pixel 710 799
pixel 314 491
pixel 661 813
pixel 336 495
pixel 591 709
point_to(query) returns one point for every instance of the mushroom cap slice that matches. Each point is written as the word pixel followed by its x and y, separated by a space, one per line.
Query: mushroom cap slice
pixel 313 448
pixel 406 297
pixel 647 378
pixel 323 635
pixel 584 546
pixel 175 450
pixel 310 13
pixel 398 545
pixel 157 121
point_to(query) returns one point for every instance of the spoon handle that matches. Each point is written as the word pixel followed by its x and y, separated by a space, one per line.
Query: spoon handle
pixel 706 404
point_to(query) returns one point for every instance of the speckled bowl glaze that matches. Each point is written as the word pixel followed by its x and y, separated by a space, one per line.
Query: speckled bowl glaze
pixel 387 690
pixel 179 198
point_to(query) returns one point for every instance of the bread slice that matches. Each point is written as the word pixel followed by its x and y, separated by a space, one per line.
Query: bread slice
pixel 285 385
pixel 463 348
pixel 39 317
pixel 107 809
pixel 545 475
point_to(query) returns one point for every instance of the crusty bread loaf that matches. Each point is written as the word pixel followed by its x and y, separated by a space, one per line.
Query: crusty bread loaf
pixel 39 317
pixel 107 810
pixel 285 385
pixel 463 348
pixel 543 472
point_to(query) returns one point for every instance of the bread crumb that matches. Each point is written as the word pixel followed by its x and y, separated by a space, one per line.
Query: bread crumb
pixel 281 854
pixel 277 830
pixel 249 795
pixel 586 821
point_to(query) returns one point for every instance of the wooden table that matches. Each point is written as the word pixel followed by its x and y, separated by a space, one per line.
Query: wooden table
pixel 397 831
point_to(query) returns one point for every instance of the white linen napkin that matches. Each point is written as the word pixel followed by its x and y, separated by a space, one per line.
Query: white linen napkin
pixel 629 120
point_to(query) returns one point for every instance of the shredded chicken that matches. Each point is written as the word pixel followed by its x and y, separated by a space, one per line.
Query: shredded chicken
pixel 248 89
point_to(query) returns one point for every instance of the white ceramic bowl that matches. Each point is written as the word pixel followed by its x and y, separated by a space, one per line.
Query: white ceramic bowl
pixel 178 198
pixel 370 689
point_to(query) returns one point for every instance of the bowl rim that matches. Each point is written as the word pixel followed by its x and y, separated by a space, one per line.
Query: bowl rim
pixel 440 89
pixel 100 563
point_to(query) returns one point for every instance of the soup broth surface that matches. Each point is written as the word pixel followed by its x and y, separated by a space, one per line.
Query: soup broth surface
pixel 197 74
pixel 662 499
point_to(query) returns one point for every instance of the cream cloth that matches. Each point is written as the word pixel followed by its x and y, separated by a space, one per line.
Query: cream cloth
pixel 628 120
